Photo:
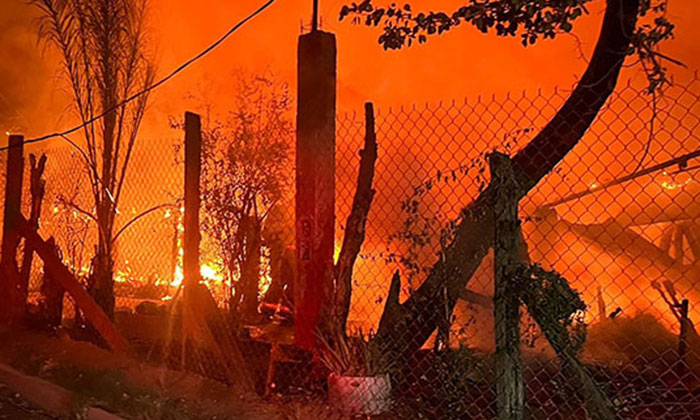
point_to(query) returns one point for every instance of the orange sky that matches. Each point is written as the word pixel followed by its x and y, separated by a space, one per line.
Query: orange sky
pixel 458 64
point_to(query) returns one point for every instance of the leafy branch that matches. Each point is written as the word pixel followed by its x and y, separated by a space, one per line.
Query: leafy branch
pixel 531 20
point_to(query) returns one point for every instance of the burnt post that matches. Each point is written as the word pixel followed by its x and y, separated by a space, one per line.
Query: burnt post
pixel 315 179
pixel 507 238
pixel 37 190
pixel 193 154
pixel 12 300
pixel 683 337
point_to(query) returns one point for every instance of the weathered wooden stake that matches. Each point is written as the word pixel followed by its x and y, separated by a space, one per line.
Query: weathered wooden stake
pixel 193 163
pixel 509 381
pixel 12 302
pixel 683 337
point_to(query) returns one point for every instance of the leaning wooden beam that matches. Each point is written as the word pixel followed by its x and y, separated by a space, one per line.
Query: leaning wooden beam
pixel 55 268
pixel 509 379
pixel 339 299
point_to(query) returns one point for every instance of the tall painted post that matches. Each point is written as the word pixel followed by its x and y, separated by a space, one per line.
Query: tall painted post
pixel 12 298
pixel 315 178
pixel 193 156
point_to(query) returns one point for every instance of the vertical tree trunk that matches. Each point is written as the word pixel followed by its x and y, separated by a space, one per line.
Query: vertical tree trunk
pixel 250 273
pixel 334 312
pixel 509 379
pixel 102 282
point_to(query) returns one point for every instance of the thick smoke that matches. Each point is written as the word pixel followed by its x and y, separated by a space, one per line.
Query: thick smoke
pixel 26 73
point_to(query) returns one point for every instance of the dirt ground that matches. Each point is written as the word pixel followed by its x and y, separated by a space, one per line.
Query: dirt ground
pixel 136 391
pixel 14 407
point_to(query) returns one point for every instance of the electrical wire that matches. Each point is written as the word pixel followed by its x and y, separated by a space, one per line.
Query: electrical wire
pixel 155 85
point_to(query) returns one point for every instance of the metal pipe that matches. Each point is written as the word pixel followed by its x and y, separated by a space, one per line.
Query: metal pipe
pixel 681 160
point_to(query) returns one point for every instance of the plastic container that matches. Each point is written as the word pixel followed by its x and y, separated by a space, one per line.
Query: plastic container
pixel 358 395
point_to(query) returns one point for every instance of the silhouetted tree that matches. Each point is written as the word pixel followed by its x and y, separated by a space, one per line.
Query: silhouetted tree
pixel 245 172
pixel 103 52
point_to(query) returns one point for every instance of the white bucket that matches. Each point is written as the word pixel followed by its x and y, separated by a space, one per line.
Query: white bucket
pixel 355 395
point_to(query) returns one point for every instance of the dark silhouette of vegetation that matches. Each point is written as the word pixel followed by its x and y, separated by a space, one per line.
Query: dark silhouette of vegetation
pixel 245 175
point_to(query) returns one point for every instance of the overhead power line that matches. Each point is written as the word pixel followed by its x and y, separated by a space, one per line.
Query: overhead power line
pixel 155 85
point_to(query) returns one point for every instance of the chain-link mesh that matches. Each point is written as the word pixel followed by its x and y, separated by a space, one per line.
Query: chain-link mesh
pixel 630 246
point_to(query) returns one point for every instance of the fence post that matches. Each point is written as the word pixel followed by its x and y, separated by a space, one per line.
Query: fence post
pixel 193 154
pixel 509 381
pixel 315 181
pixel 683 338
pixel 12 303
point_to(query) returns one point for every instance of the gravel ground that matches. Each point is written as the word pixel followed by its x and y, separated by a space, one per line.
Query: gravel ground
pixel 14 407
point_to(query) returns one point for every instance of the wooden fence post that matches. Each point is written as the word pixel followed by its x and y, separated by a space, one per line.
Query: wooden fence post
pixel 509 381
pixel 12 302
pixel 193 164
pixel 683 338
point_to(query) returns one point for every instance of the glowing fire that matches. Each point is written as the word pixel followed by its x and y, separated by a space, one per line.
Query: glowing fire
pixel 211 272
pixel 213 275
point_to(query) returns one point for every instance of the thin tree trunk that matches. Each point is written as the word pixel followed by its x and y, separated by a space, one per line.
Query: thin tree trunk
pixel 250 272
pixel 334 313
pixel 416 318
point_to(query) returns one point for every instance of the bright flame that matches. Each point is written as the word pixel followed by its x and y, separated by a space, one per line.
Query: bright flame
pixel 336 253
pixel 212 274
pixel 675 185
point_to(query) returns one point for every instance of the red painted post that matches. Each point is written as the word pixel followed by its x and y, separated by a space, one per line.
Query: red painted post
pixel 12 300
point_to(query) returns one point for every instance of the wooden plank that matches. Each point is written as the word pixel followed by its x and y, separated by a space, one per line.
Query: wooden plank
pixel 55 268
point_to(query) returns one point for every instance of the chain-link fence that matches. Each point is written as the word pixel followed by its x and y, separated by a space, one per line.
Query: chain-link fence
pixel 617 218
